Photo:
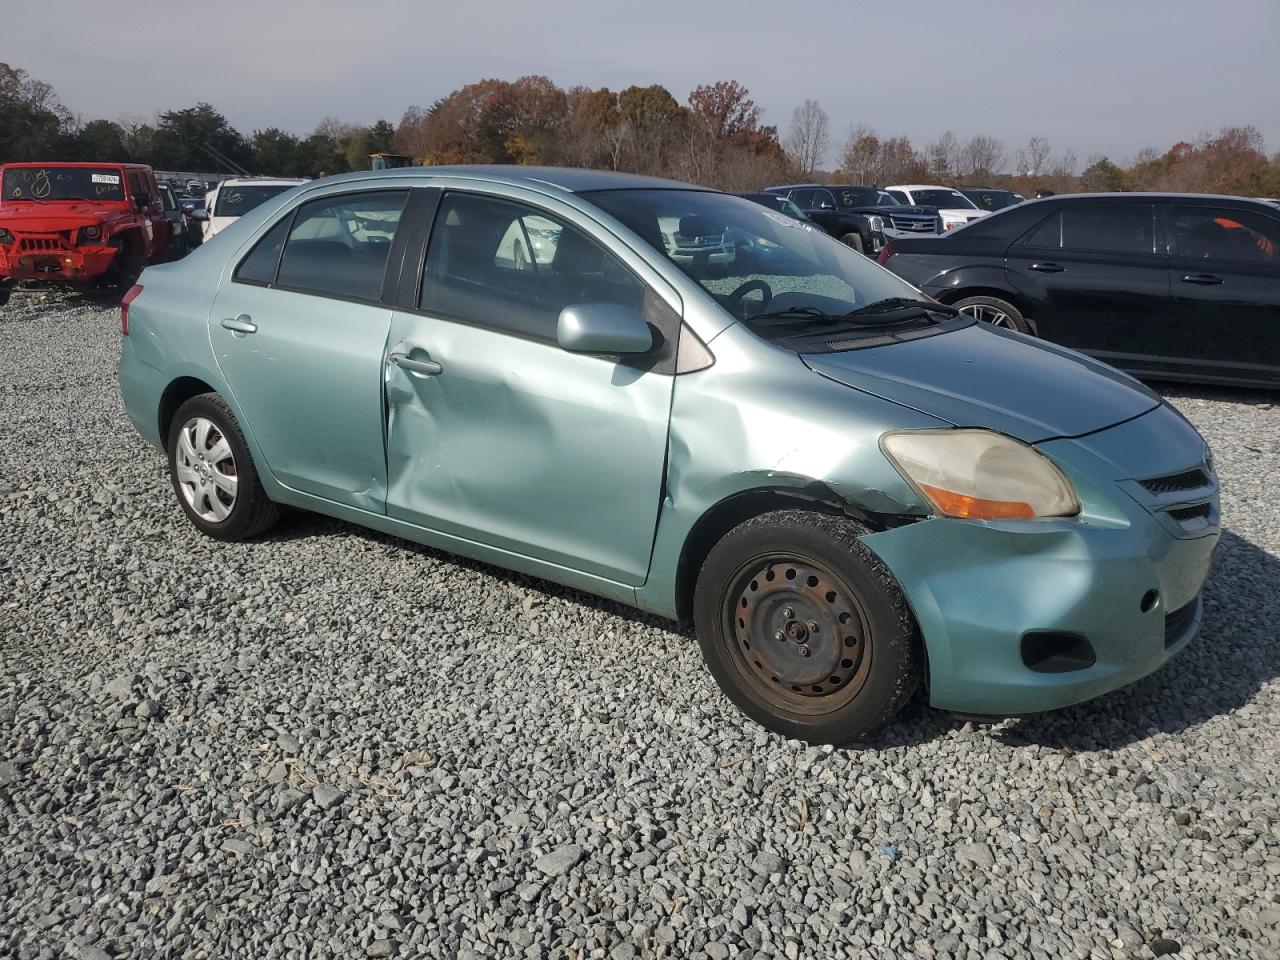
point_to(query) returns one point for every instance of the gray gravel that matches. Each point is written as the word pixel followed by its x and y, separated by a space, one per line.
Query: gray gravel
pixel 334 744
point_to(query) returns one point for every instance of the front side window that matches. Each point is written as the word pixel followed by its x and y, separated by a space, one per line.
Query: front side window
pixel 338 246
pixel 237 200
pixel 900 196
pixel 750 259
pixel 62 183
pixel 1109 229
pixel 511 267
pixel 1206 233
pixel 804 199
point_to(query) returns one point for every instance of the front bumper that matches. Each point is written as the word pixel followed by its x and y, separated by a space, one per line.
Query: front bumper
pixel 978 589
pixel 66 265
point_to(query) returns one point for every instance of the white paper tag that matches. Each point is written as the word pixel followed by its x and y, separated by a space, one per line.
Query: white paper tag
pixel 110 178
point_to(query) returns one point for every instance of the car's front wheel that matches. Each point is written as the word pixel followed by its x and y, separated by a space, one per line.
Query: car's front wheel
pixel 804 628
pixel 213 472
pixel 853 239
pixel 993 310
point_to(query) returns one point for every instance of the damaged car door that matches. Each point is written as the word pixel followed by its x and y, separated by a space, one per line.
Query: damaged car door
pixel 529 389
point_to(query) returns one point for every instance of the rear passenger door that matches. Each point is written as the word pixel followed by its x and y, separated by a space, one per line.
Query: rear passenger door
pixel 299 330
pixel 1224 271
pixel 1094 280
pixel 497 435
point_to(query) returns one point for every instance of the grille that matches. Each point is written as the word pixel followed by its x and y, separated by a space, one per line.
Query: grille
pixel 1183 514
pixel 1190 480
pixel 916 224
pixel 1177 623
pixel 41 244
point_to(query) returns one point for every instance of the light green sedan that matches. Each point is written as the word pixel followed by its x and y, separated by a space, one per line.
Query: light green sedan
pixel 852 491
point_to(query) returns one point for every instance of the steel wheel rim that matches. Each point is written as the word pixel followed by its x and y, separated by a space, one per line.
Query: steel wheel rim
pixel 808 671
pixel 985 313
pixel 206 470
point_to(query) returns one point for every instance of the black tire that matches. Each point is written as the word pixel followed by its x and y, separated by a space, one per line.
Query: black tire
pixel 783 573
pixel 4 296
pixel 250 510
pixel 988 309
pixel 853 239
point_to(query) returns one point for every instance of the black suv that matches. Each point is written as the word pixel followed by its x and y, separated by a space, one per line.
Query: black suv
pixel 992 198
pixel 863 217
pixel 1166 286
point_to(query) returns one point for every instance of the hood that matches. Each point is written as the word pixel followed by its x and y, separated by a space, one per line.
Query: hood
pixel 58 215
pixel 983 377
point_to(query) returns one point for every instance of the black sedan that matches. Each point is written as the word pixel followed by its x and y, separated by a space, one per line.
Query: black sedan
pixel 1165 286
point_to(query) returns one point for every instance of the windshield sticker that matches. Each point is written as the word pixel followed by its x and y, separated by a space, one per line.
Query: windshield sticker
pixel 110 178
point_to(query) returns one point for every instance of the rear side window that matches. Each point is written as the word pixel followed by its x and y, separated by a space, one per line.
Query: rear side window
pixel 338 246
pixel 1207 233
pixel 260 265
pixel 1048 233
pixel 1109 229
pixel 511 267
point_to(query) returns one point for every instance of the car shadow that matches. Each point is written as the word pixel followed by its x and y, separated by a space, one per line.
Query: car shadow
pixel 1221 670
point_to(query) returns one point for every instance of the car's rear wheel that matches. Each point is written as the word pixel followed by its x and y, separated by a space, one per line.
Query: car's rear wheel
pixel 854 240
pixel 993 310
pixel 213 472
pixel 804 628
pixel 4 295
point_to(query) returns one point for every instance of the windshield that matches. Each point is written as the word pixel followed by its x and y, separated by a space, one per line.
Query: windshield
pixel 62 183
pixel 237 200
pixel 992 199
pixel 751 259
pixel 864 197
pixel 948 199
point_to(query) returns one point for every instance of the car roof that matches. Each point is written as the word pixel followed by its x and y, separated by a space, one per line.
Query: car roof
pixel 918 186
pixel 1141 195
pixel 569 179
pixel 76 163
pixel 263 181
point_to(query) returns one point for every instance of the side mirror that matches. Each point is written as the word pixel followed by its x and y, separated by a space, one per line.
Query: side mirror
pixel 603 328
pixel 826 205
pixel 198 213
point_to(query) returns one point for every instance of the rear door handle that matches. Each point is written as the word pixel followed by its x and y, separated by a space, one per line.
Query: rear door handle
pixel 241 324
pixel 1204 279
pixel 422 368
pixel 1048 267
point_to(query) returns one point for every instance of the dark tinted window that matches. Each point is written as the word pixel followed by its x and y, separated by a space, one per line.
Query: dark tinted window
pixel 804 199
pixel 1047 234
pixel 945 199
pixel 237 200
pixel 1109 229
pixel 1206 233
pixel 260 265
pixel 823 196
pixel 338 246
pixel 512 267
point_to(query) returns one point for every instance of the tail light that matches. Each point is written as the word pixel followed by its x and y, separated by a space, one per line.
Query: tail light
pixel 128 298
pixel 885 254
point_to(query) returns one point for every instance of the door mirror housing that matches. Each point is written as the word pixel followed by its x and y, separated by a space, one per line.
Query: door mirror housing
pixel 607 328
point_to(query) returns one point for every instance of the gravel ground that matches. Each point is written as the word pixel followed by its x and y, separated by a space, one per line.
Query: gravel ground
pixel 332 744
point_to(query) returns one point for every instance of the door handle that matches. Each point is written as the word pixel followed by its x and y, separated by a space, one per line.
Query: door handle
pixel 1204 279
pixel 1048 267
pixel 241 324
pixel 422 368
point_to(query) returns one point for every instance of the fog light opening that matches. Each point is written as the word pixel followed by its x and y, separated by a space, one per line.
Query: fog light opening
pixel 1046 652
pixel 1150 600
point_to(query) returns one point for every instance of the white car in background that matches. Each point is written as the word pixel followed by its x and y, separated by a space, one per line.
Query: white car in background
pixel 954 207
pixel 232 199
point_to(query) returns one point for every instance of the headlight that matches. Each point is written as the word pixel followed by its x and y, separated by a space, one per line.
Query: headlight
pixel 90 233
pixel 877 223
pixel 980 475
pixel 6 237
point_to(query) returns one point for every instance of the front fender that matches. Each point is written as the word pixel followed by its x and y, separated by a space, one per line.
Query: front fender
pixel 760 420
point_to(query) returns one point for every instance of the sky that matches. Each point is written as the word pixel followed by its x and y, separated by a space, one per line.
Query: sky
pixel 1096 76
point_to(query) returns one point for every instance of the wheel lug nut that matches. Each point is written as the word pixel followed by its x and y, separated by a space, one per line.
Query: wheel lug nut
pixel 812 626
pixel 804 650
pixel 779 635
pixel 788 612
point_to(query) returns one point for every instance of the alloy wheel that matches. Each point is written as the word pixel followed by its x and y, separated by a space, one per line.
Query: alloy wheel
pixel 206 470
pixel 985 313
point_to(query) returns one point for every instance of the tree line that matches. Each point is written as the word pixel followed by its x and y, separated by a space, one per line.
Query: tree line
pixel 715 136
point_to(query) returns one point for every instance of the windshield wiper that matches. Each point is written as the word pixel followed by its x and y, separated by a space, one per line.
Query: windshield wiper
pixel 810 314
pixel 893 310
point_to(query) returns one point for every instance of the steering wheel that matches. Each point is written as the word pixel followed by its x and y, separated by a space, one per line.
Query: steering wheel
pixel 736 297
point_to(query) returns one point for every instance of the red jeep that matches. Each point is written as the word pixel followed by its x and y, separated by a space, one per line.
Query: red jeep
pixel 81 225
